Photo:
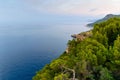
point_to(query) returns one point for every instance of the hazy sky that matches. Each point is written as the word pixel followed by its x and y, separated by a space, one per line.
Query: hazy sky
pixel 55 10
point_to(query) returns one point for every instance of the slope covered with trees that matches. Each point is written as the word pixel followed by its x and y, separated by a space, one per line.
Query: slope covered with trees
pixel 96 57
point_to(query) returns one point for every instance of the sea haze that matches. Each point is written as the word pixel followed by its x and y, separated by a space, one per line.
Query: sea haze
pixel 24 49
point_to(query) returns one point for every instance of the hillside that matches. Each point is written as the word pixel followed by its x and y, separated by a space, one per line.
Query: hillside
pixel 91 55
pixel 108 16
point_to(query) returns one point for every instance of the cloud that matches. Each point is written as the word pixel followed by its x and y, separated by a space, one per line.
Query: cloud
pixel 76 7
pixel 93 10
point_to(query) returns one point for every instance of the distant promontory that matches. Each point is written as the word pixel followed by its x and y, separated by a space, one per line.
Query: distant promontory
pixel 108 16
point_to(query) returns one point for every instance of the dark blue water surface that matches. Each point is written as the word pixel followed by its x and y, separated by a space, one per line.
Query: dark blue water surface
pixel 25 49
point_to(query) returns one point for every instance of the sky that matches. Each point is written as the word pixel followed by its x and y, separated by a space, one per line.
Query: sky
pixel 50 11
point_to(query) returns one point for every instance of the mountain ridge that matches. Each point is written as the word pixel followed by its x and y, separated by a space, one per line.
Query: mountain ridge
pixel 108 16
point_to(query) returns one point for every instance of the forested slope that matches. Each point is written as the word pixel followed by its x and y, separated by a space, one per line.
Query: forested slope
pixel 96 57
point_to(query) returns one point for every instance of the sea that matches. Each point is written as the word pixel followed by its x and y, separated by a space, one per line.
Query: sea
pixel 25 49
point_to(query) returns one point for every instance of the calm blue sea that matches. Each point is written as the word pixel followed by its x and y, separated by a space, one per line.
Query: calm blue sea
pixel 25 49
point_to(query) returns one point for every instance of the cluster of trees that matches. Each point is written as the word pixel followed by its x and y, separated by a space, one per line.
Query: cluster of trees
pixel 95 58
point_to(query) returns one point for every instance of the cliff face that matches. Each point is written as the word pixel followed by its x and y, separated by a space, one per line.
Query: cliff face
pixel 91 55
pixel 82 36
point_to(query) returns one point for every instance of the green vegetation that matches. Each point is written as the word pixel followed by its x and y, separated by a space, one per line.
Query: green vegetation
pixel 96 57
